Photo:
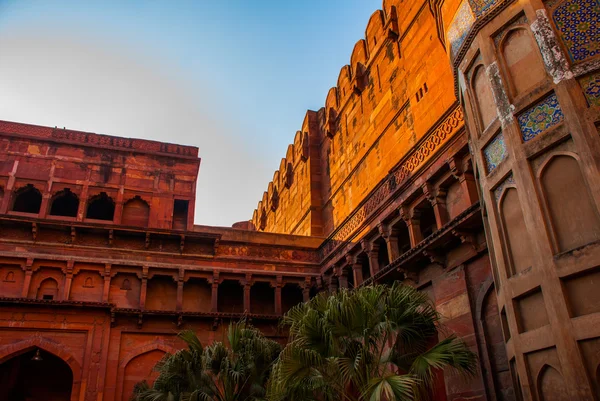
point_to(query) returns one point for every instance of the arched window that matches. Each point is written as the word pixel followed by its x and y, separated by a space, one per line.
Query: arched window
pixel 135 212
pixel 27 200
pixel 64 203
pixel 48 289
pixel 101 207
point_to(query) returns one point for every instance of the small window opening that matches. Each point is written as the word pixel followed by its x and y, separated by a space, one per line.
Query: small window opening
pixel 28 200
pixel 48 297
pixel 374 40
pixel 421 92
pixel 425 87
pixel 180 214
pixel 101 207
pixel 65 203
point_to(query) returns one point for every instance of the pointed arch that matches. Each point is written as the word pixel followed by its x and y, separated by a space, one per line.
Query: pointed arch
pixel 10 351
pixel 64 203
pixel 136 212
pixel 27 199
pixel 571 209
pixel 551 385
pixel 516 236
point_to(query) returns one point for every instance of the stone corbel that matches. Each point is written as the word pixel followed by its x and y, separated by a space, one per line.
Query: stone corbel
pixel 73 234
pixel 435 257
pixel 391 25
pixel 111 235
pixel 358 80
pixel 147 242
pixel 34 231
pixel 408 276
pixel 466 238
pixel 181 243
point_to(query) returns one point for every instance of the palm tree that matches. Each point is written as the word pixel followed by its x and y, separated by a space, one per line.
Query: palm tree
pixel 215 372
pixel 372 343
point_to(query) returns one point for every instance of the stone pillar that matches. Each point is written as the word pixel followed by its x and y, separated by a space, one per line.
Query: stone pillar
pixel 83 199
pixel 27 281
pixel 390 235
pixel 372 251
pixel 411 217
pixel 356 269
pixel 8 191
pixel 144 278
pixel 332 284
pixel 106 290
pixel 68 280
pixel 215 293
pixel 342 276
pixel 437 198
pixel 180 283
pixel 278 287
pixel 463 173
pixel 119 205
pixel 247 284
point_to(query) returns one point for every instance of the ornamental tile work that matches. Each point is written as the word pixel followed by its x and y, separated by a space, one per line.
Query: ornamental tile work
pixel 480 7
pixel 508 181
pixel 543 115
pixel 459 27
pixel 494 153
pixel 590 84
pixel 579 29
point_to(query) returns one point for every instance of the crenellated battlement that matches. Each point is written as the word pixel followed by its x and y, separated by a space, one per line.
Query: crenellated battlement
pixel 389 95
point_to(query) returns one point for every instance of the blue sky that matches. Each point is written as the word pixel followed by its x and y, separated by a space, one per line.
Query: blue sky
pixel 234 78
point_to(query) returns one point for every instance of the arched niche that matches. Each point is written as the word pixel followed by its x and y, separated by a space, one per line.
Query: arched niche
pixel 518 241
pixel 49 378
pixel 140 368
pixel 551 386
pixel 87 286
pixel 101 207
pixel 484 98
pixel 291 295
pixel 521 60
pixel 64 203
pixel 230 297
pixel 136 212
pixel 48 289
pixel 571 209
pixel 27 199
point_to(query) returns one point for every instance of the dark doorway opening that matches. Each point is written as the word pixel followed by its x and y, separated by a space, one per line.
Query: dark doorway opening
pixel 180 214
pixel 65 203
pixel 25 379
pixel 27 200
pixel 101 207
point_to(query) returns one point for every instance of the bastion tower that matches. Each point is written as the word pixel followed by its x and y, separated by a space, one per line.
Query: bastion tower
pixel 527 74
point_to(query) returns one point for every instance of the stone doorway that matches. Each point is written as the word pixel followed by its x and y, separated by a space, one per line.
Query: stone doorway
pixel 24 379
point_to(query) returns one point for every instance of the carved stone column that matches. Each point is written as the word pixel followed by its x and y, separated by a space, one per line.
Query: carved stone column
pixel 144 278
pixel 180 283
pixel 247 284
pixel 372 251
pixel 342 276
pixel 215 293
pixel 68 280
pixel 278 286
pixel 466 179
pixel 27 281
pixel 306 290
pixel 390 235
pixel 412 218
pixel 356 269
pixel 106 289
pixel 437 198
pixel 332 284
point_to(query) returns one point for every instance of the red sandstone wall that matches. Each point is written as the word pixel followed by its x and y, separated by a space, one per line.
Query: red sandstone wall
pixel 88 164
pixel 392 93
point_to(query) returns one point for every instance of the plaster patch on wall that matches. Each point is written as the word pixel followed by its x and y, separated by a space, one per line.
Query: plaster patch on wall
pixel 553 56
pixel 503 107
